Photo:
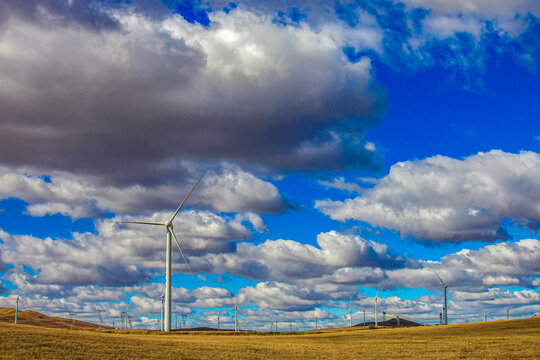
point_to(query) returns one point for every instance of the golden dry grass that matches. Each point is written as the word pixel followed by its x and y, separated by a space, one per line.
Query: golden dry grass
pixel 514 339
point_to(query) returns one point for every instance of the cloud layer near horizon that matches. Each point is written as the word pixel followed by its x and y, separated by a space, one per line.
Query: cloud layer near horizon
pixel 478 285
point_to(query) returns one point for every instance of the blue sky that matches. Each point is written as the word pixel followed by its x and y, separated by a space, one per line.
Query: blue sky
pixel 343 146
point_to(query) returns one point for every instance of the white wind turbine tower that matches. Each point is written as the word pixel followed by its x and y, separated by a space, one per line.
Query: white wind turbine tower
pixel 170 233
pixel 235 317
pixel 350 313
pixel 161 298
pixel 445 309
pixel 376 300
pixel 17 299
pixel 17 307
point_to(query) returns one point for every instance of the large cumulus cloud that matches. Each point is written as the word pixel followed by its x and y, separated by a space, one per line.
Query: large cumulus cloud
pixel 127 104
pixel 443 199
pixel 339 258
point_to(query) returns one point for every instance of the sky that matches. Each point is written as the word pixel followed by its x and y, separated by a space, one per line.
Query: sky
pixel 344 145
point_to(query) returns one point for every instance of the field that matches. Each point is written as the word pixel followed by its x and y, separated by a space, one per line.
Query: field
pixel 514 339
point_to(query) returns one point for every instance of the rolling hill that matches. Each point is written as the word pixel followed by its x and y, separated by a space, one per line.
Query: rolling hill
pixel 29 317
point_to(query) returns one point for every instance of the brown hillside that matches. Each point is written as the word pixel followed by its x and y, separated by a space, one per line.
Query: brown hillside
pixel 29 317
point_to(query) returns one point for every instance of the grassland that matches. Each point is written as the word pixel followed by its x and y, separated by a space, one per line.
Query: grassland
pixel 514 339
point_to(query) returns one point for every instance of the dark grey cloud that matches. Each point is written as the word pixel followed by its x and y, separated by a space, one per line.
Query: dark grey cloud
pixel 78 13
pixel 129 102
pixel 130 105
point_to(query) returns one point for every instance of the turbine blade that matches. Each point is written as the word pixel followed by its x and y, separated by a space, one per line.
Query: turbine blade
pixel 162 288
pixel 183 202
pixel 181 252
pixel 141 222
pixel 378 285
pixel 20 292
pixel 441 280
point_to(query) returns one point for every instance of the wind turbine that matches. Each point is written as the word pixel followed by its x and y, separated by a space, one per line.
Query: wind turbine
pixel 17 307
pixel 350 313
pixel 445 309
pixel 161 298
pixel 235 317
pixel 170 233
pixel 17 303
pixel 376 301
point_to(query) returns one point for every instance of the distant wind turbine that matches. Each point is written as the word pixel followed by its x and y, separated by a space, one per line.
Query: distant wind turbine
pixel 16 307
pixel 376 301
pixel 17 299
pixel 235 317
pixel 445 309
pixel 350 313
pixel 161 299
pixel 170 233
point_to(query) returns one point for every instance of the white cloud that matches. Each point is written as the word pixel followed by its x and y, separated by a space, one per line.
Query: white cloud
pixel 481 8
pixel 341 184
pixel 121 254
pixel 226 189
pixel 445 27
pixel 503 264
pixel 443 199
pixel 288 260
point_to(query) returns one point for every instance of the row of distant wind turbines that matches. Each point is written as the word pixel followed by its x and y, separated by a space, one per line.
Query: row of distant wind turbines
pixel 166 315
